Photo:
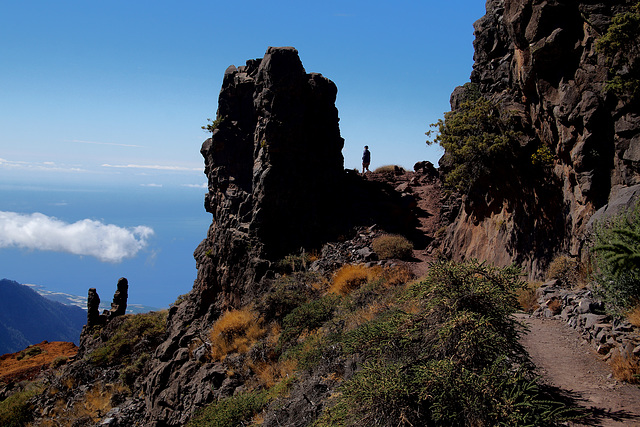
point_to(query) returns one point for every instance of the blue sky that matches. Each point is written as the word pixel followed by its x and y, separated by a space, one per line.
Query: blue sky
pixel 99 94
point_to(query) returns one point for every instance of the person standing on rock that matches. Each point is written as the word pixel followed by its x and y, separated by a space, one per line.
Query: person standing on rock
pixel 366 159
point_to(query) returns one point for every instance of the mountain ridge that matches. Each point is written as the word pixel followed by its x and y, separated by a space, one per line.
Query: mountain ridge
pixel 27 318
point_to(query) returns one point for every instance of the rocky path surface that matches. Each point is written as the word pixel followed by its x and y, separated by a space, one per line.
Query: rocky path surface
pixel 568 363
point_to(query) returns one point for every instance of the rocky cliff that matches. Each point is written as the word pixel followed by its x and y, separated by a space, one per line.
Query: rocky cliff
pixel 538 62
pixel 276 186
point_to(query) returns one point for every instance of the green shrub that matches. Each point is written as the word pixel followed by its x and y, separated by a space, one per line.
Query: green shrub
pixel 616 254
pixel 478 142
pixel 212 124
pixel 238 410
pixel 455 360
pixel 16 410
pixel 32 350
pixel 542 157
pixel 307 318
pixel 287 293
pixel 59 361
pixel 391 246
pixel 620 46
pixel 294 262
pixel 149 327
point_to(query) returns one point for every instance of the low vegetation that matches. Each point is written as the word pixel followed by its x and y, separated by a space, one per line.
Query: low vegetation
pixel 527 297
pixel 616 255
pixel 564 269
pixel 441 351
pixel 390 169
pixel 391 246
pixel 17 410
pixel 235 332
pixel 238 410
pixel 137 328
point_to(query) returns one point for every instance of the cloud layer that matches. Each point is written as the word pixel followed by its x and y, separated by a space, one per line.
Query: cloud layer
pixel 106 242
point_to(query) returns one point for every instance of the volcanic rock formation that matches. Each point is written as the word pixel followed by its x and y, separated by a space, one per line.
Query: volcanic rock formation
pixel 537 60
pixel 276 186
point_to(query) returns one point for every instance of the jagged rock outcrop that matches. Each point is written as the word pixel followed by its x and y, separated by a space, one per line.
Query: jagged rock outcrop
pixel 118 308
pixel 537 60
pixel 93 308
pixel 276 185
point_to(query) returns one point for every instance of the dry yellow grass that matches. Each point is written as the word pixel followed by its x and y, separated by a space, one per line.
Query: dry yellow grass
pixel 633 316
pixel 352 276
pixel 235 332
pixel 527 297
pixel 400 275
pixel 564 269
pixel 555 305
pixel 626 368
pixel 95 404
pixel 271 373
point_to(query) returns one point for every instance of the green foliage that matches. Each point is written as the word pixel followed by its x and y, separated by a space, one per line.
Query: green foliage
pixel 32 350
pixel 391 246
pixel 148 327
pixel 16 410
pixel 306 318
pixel 620 44
pixel 295 262
pixel 59 361
pixel 476 141
pixel 181 298
pixel 131 372
pixel 617 258
pixel 212 124
pixel 542 157
pixel 238 410
pixel 453 360
pixel 286 294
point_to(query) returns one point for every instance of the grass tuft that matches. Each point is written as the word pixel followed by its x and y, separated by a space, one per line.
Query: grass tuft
pixel 392 246
pixel 235 332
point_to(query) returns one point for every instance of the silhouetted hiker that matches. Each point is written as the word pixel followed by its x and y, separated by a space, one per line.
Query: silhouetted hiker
pixel 366 159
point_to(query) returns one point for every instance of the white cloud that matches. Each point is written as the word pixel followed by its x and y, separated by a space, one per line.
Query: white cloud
pixel 203 185
pixel 108 143
pixel 106 242
pixel 39 166
pixel 151 185
pixel 156 167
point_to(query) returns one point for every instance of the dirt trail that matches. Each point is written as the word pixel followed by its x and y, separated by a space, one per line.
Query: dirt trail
pixel 567 362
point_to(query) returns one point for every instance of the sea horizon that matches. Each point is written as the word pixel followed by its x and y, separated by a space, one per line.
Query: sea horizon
pixel 161 270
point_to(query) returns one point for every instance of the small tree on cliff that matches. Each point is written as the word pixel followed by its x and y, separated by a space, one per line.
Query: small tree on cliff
pixel 476 140
pixel 621 45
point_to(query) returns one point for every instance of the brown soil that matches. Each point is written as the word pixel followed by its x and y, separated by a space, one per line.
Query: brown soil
pixel 570 364
pixel 13 370
pixel 427 196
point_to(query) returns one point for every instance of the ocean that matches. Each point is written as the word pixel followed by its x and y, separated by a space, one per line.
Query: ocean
pixel 158 273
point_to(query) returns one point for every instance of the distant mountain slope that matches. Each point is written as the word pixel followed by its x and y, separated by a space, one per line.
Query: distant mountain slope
pixel 28 318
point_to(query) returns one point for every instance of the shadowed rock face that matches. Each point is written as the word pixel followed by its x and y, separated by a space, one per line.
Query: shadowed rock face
pixel 276 184
pixel 538 61
pixel 278 140
pixel 274 167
